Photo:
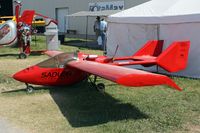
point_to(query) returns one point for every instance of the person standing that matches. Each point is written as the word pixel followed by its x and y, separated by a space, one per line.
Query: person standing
pixel 97 27
pixel 26 37
pixel 103 29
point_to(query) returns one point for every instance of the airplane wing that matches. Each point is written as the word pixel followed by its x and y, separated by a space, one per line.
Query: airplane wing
pixel 122 75
pixel 52 53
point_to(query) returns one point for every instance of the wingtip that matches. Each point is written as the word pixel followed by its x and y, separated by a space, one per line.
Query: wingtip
pixel 173 85
pixel 147 79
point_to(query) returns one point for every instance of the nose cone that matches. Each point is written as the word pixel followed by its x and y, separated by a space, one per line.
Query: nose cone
pixel 20 76
pixel 28 75
pixel 24 75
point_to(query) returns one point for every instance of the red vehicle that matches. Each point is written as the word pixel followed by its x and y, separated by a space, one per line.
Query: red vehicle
pixel 19 30
pixel 70 68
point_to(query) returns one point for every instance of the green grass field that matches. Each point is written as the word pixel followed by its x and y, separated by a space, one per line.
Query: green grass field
pixel 81 109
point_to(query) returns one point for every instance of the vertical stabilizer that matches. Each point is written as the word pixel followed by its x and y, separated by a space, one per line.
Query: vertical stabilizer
pixel 151 48
pixel 175 57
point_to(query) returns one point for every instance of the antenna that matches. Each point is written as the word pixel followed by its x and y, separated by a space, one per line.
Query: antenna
pixel 115 52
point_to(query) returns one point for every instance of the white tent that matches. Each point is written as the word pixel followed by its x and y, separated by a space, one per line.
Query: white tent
pixel 87 14
pixel 157 19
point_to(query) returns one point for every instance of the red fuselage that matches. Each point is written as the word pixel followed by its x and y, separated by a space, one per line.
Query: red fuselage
pixel 50 76
pixel 52 72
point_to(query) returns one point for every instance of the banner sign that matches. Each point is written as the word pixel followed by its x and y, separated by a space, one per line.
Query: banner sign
pixel 100 6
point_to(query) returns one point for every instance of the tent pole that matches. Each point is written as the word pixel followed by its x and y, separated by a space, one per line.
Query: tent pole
pixel 86 36
pixel 158 32
pixel 158 37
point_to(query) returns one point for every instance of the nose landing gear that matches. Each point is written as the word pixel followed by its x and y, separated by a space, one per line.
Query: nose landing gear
pixel 29 88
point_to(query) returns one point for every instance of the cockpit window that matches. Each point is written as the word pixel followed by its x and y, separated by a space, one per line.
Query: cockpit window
pixel 58 61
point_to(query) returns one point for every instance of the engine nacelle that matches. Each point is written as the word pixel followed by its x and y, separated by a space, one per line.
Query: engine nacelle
pixel 8 33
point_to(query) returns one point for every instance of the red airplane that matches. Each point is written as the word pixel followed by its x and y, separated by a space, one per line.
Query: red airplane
pixel 71 68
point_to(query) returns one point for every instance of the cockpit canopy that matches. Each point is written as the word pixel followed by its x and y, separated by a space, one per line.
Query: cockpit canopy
pixel 4 30
pixel 58 61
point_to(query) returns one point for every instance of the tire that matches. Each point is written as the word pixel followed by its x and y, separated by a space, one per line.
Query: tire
pixel 22 56
pixel 30 89
pixel 101 87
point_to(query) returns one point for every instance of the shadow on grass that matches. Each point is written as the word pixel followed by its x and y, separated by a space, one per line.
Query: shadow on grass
pixel 83 44
pixel 83 106
pixel 76 41
pixel 5 55
pixel 37 52
pixel 33 53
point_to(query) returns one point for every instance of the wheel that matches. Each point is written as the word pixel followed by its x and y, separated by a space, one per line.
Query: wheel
pixel 22 56
pixel 101 87
pixel 29 89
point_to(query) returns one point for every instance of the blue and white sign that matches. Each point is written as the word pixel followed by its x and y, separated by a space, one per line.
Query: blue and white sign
pixel 101 6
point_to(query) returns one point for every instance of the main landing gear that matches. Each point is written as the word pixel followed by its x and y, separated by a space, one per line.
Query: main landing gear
pixel 29 88
pixel 100 87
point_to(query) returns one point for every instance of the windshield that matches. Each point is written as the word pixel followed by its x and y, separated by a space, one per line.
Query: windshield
pixel 58 61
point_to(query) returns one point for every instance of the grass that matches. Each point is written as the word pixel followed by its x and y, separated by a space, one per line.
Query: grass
pixel 81 109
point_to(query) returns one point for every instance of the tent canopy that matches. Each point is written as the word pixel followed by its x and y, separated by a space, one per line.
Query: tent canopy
pixel 171 20
pixel 158 11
